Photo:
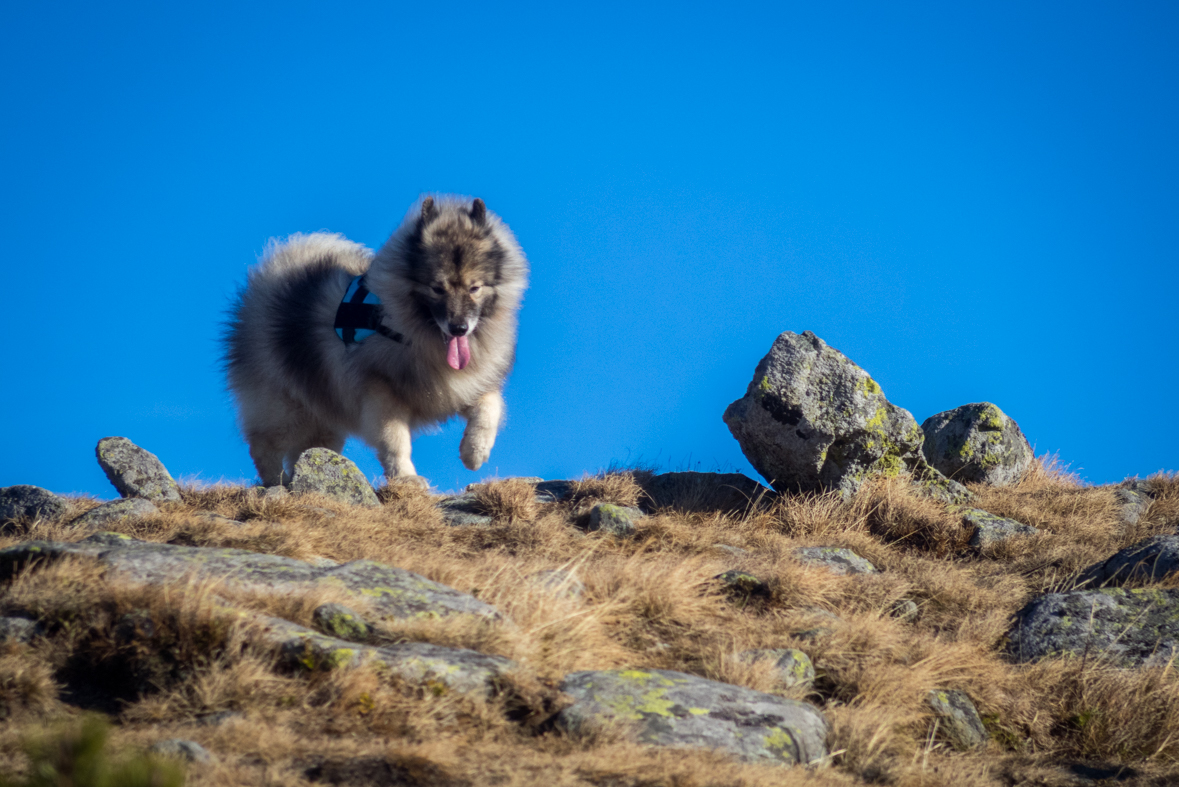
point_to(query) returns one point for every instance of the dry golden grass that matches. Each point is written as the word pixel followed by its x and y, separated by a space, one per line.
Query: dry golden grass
pixel 167 661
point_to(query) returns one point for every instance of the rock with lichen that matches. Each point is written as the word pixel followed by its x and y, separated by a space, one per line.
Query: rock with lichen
pixel 812 420
pixel 957 718
pixel 324 472
pixel 1126 628
pixel 977 443
pixel 340 621
pixel 135 472
pixel 792 667
pixel 115 512
pixel 613 519
pixel 837 560
pixel 674 709
pixel 1155 559
pixel 987 528
pixel 25 503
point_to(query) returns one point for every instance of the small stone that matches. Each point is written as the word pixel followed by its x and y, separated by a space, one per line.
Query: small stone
pixel 180 749
pixel 18 629
pixel 958 719
pixel 792 666
pixel 1133 497
pixel 115 512
pixel 325 472
pixel 742 586
pixel 559 582
pixel 276 492
pixel 615 520
pixel 553 491
pixel 463 510
pixel 24 503
pixel 990 529
pixel 341 621
pixel 836 560
pixel 1151 560
pixel 136 472
pixel 977 443
pixel 905 610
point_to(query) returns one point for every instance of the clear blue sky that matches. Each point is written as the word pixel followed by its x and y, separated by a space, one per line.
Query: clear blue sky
pixel 974 204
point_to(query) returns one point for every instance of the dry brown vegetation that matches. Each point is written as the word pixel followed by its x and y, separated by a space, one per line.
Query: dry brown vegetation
pixel 168 661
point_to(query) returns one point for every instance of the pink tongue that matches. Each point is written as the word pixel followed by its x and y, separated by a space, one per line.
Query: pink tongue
pixel 458 352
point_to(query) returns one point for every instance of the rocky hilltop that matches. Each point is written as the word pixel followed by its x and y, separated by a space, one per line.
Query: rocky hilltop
pixel 904 604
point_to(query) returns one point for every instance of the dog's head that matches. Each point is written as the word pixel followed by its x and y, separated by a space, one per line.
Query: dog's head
pixel 455 262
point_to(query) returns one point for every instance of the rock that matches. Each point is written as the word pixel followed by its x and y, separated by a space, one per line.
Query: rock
pixel 559 582
pixel 276 492
pixel 115 511
pixel 615 520
pixel 835 560
pixel 679 710
pixel 731 550
pixel 462 510
pixel 811 420
pixel 958 719
pixel 553 491
pixel 792 666
pixel 18 629
pixel 180 749
pixel 742 586
pixel 828 621
pixel 977 443
pixel 340 621
pixel 1127 627
pixel 136 472
pixel 24 503
pixel 390 591
pixel 928 482
pixel 705 492
pixel 990 529
pixel 905 610
pixel 1147 561
pixel 1133 497
pixel 325 472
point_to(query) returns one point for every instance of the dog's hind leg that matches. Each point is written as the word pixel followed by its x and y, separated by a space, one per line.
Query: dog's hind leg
pixel 483 419
pixel 385 426
pixel 313 437
pixel 267 450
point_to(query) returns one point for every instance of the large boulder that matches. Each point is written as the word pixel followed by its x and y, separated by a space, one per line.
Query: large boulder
pixel 393 592
pixel 1125 627
pixel 324 472
pixel 811 420
pixel 135 472
pixel 679 710
pixel 24 503
pixel 704 492
pixel 1154 559
pixel 977 443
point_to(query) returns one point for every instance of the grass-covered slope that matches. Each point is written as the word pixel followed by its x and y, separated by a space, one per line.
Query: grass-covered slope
pixel 182 661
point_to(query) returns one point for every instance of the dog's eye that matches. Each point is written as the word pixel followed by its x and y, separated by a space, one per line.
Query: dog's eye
pixel 475 288
pixel 438 291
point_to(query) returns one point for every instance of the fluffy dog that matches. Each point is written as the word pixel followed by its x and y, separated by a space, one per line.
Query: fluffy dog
pixel 329 340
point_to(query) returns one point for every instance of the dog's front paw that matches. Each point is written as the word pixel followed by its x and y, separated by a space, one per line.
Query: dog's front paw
pixel 408 480
pixel 474 449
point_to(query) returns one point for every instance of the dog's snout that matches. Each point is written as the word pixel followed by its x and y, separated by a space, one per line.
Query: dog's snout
pixel 458 328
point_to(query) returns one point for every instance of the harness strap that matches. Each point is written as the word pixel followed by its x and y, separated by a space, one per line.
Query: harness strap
pixel 359 315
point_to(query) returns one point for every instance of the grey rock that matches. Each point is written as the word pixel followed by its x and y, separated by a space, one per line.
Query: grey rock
pixel 18 629
pixel 705 492
pixel 990 529
pixel 325 472
pixel 792 666
pixel 1147 561
pixel 135 472
pixel 679 710
pixel 390 591
pixel 811 420
pixel 958 719
pixel 115 511
pixel 1126 627
pixel 615 520
pixel 836 560
pixel 24 503
pixel 1133 497
pixel 905 609
pixel 977 443
pixel 180 749
pixel 321 562
pixel 742 586
pixel 341 621
pixel 276 492
pixel 559 582
pixel 928 482
pixel 553 491
pixel 463 510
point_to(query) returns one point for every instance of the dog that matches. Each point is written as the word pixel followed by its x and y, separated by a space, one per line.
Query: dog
pixel 328 339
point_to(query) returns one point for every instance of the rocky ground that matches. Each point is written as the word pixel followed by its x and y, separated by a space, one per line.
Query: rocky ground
pixel 867 620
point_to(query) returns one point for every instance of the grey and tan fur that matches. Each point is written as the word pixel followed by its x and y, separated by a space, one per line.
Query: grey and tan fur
pixel 451 277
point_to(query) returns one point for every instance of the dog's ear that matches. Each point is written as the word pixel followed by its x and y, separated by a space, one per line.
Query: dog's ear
pixel 478 211
pixel 429 210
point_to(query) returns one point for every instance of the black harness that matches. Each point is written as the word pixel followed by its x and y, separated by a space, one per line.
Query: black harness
pixel 359 315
